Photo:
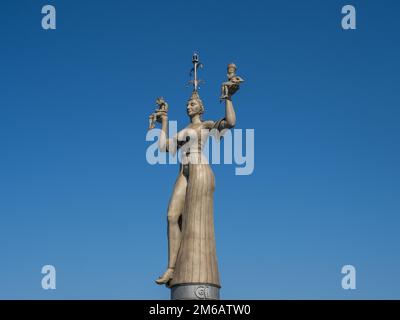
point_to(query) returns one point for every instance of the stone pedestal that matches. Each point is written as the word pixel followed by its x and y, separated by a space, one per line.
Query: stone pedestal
pixel 195 292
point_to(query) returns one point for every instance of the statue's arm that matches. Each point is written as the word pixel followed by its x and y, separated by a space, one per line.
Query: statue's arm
pixel 230 115
pixel 166 144
pixel 163 141
pixel 229 121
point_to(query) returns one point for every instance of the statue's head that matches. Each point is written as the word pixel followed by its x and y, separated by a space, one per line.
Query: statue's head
pixel 194 105
pixel 160 101
pixel 231 68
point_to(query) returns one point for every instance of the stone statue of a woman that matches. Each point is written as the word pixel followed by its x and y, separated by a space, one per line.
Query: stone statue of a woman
pixel 191 243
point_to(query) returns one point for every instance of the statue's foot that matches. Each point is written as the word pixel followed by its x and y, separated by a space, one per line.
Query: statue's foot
pixel 166 277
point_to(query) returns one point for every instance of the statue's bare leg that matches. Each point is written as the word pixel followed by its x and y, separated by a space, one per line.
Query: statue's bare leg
pixel 224 92
pixel 175 210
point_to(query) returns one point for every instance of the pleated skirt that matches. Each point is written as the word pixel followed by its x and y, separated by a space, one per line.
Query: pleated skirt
pixel 197 259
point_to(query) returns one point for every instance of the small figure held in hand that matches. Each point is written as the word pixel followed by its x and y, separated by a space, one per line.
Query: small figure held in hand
pixel 161 110
pixel 232 85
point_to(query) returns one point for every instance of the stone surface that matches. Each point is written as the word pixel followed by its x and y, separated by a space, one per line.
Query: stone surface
pixel 194 292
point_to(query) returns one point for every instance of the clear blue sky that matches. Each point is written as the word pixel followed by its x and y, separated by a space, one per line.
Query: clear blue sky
pixel 76 190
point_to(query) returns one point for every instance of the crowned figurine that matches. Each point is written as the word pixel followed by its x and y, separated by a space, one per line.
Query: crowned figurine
pixel 232 85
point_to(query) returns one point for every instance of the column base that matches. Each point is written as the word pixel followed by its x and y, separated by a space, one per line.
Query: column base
pixel 195 291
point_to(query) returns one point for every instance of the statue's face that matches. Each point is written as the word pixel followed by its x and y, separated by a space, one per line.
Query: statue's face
pixel 231 70
pixel 193 107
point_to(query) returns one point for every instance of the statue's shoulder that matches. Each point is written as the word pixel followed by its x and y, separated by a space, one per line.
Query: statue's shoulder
pixel 208 124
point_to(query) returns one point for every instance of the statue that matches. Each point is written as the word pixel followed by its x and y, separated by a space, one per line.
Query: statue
pixel 192 271
pixel 233 81
pixel 162 107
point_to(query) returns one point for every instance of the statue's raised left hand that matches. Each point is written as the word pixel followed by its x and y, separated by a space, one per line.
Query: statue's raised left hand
pixel 233 88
